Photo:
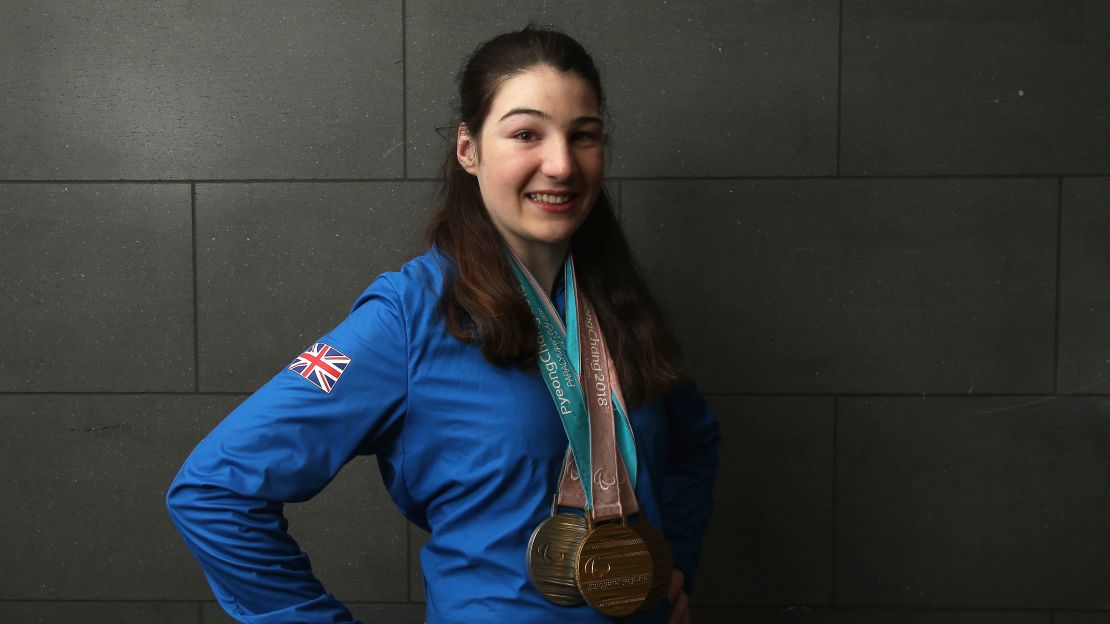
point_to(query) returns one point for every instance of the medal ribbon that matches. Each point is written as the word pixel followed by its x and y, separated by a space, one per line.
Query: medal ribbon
pixel 589 424
pixel 613 498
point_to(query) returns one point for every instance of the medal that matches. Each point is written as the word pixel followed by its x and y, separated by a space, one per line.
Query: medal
pixel 551 552
pixel 614 570
pixel 555 541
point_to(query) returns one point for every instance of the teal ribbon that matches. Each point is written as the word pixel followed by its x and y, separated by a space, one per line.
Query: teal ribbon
pixel 558 357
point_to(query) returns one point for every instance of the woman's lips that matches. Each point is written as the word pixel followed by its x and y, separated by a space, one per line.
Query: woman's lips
pixel 553 202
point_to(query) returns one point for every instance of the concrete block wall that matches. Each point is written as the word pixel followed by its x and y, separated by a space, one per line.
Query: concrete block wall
pixel 879 228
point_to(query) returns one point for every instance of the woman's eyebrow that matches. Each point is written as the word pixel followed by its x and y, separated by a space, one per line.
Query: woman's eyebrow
pixel 585 119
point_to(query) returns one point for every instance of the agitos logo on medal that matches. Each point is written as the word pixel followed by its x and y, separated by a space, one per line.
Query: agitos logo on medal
pixel 322 364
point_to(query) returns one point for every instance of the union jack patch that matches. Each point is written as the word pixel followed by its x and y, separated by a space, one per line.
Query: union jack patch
pixel 322 364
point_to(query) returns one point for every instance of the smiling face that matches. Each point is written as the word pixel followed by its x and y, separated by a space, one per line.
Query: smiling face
pixel 539 159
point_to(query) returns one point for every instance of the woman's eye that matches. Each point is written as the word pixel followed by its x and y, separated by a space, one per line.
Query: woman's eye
pixel 525 135
pixel 588 137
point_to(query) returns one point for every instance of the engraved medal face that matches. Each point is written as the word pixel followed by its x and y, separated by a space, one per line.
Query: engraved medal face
pixel 551 553
pixel 662 563
pixel 614 570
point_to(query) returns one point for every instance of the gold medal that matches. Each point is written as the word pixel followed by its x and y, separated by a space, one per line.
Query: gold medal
pixel 551 553
pixel 662 563
pixel 614 570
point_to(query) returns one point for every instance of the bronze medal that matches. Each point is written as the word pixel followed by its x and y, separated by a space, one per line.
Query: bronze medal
pixel 551 553
pixel 662 563
pixel 614 570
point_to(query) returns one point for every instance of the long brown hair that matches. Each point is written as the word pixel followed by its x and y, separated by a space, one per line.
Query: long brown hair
pixel 481 302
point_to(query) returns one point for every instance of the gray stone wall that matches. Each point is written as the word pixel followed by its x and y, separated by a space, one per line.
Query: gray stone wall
pixel 880 229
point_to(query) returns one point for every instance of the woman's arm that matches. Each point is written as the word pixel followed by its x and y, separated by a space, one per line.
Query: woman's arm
pixel 692 442
pixel 284 444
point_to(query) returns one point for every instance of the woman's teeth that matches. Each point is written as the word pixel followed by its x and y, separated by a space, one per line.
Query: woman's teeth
pixel 549 199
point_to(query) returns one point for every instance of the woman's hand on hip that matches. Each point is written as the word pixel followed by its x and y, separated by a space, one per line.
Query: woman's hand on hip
pixel 680 604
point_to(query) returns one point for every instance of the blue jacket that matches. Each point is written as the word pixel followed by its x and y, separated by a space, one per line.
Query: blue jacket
pixel 468 451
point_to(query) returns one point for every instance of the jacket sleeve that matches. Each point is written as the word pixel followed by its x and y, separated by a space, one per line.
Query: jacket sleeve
pixel 693 438
pixel 284 444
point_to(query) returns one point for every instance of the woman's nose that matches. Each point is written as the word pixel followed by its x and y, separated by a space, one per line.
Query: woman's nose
pixel 558 161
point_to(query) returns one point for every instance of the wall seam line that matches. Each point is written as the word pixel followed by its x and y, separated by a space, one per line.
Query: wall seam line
pixel 404 93
pixel 1059 264
pixel 178 393
pixel 733 178
pixel 196 304
pixel 839 83
pixel 832 512
pixel 908 395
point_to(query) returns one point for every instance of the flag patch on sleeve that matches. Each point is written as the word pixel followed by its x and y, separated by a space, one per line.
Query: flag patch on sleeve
pixel 322 364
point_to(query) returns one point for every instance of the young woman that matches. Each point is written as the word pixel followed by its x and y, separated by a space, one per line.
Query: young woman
pixel 448 374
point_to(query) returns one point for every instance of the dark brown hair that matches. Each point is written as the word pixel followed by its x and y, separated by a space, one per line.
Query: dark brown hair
pixel 481 302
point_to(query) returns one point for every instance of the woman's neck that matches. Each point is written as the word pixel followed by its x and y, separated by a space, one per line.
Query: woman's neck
pixel 544 262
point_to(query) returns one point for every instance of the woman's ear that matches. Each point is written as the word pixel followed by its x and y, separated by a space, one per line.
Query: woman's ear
pixel 466 150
